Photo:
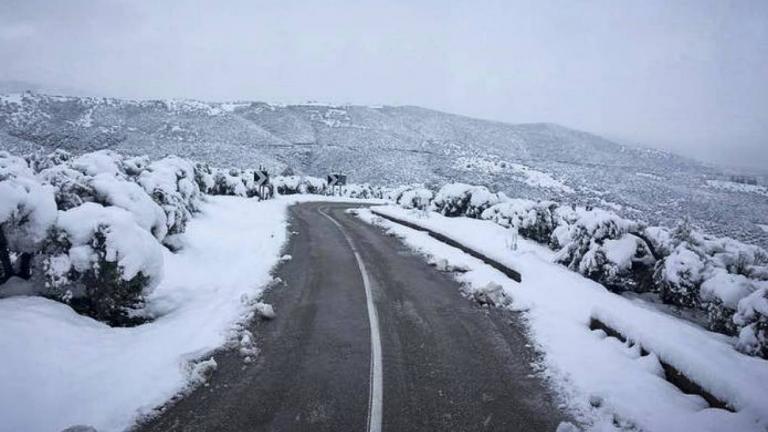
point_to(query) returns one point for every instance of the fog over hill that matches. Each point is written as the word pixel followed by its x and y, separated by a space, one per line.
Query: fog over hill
pixel 396 145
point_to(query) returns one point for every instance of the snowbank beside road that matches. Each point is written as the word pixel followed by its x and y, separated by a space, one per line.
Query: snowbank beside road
pixel 60 369
pixel 605 380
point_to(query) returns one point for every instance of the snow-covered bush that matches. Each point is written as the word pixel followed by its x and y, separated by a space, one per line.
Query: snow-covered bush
pixel 229 182
pixel 752 318
pixel 204 177
pixel 313 185
pixel 605 247
pixel 71 187
pixel 678 277
pixel 111 190
pixel 27 210
pixel 720 294
pixel 712 273
pixel 99 260
pixel 135 165
pixel 414 198
pixel 534 220
pixel 290 185
pixel 287 185
pixel 459 199
pixel 98 162
pixel 360 191
pixel 171 184
pixel 39 161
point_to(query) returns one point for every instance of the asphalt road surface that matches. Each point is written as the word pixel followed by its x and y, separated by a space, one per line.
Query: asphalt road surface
pixel 443 363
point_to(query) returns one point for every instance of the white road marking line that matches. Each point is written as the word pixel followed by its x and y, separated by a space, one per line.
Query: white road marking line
pixel 375 398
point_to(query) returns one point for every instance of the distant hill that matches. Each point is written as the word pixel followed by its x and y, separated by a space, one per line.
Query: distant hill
pixel 395 145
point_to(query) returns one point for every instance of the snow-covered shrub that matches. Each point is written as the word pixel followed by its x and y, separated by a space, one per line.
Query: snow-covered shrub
pixel 204 177
pixel 459 199
pixel 39 161
pixel 660 239
pixel 111 190
pixel 414 198
pixel 229 182
pixel 715 273
pixel 736 257
pixel 313 185
pixel 752 318
pixel 394 194
pixel 171 183
pixel 99 260
pixel 98 162
pixel 27 211
pixel 678 277
pixel 360 191
pixel 289 185
pixel 135 165
pixel 604 247
pixel 720 294
pixel 534 220
pixel 71 187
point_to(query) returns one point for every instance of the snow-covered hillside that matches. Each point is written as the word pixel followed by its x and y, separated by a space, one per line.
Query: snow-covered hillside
pixel 393 145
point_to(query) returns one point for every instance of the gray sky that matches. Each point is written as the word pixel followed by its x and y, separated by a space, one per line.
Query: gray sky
pixel 689 76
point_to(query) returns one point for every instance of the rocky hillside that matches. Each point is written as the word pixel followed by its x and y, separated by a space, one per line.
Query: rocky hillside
pixel 395 145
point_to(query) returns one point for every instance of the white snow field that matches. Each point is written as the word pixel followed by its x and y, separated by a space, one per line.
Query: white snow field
pixel 607 384
pixel 60 369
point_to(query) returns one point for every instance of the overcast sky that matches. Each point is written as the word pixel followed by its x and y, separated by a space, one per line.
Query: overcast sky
pixel 689 76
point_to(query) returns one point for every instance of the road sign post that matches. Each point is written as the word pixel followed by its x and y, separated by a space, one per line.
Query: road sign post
pixel 261 178
pixel 335 180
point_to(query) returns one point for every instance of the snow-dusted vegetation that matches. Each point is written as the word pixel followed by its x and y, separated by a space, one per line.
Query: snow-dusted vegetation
pixel 609 384
pixel 89 230
pixel 396 146
pixel 718 278
pixel 129 265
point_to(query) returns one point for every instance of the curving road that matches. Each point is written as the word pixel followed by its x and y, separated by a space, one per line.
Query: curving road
pixel 443 364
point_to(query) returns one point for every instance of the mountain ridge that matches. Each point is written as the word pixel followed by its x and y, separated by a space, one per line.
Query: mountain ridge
pixel 393 145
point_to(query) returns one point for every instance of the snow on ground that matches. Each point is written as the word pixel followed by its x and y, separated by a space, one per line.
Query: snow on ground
pixel 526 174
pixel 60 369
pixel 763 227
pixel 737 187
pixel 604 381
